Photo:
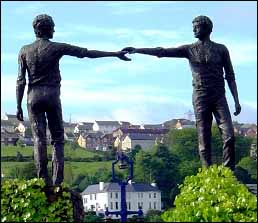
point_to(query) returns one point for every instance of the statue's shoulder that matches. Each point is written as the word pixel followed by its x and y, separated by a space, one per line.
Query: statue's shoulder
pixel 220 46
pixel 28 46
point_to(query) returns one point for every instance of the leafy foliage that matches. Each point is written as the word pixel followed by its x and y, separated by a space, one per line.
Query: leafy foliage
pixel 213 195
pixel 250 165
pixel 153 216
pixel 91 216
pixel 25 201
pixel 160 166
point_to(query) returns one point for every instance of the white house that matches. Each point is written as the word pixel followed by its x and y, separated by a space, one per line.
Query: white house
pixel 106 126
pixel 99 196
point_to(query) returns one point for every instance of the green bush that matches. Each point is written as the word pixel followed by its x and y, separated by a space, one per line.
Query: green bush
pixel 213 195
pixel 25 201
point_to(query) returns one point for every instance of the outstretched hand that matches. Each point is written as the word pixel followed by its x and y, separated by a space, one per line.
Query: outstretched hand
pixel 121 55
pixel 19 114
pixel 238 109
pixel 129 49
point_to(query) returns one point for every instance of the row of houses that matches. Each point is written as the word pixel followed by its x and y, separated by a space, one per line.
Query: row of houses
pixel 100 135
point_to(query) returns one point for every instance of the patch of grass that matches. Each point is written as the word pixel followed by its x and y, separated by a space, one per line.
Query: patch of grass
pixel 75 167
pixel 28 151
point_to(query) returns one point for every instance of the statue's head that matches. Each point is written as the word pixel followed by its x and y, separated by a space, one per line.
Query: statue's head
pixel 43 26
pixel 202 26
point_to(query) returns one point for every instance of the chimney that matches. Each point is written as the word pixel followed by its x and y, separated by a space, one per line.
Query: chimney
pixel 101 186
pixel 154 184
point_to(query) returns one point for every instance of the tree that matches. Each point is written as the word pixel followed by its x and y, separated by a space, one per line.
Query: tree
pixel 153 216
pixel 184 143
pixel 250 165
pixel 213 195
pixel 158 165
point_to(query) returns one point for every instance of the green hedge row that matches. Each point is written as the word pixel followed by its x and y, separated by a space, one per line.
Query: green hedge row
pixel 213 195
pixel 25 201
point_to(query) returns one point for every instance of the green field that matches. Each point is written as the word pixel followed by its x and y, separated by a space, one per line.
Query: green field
pixel 76 167
pixel 27 151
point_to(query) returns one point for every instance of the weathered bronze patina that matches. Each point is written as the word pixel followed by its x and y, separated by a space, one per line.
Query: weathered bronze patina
pixel 41 61
pixel 207 60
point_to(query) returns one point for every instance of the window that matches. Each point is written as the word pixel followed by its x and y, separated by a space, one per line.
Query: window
pixel 142 204
pixel 129 205
pixel 154 195
pixel 141 194
pixel 111 195
pixel 116 205
pixel 90 196
pixel 139 205
pixel 116 195
pixel 149 195
pixel 111 205
pixel 138 195
pixel 154 205
pixel 95 196
pixel 149 205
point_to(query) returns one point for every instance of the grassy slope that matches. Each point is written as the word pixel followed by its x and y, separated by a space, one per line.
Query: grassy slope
pixel 27 151
pixel 77 167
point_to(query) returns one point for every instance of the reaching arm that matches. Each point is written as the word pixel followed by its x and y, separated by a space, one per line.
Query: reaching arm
pixel 20 85
pixel 97 54
pixel 67 49
pixel 159 51
pixel 230 77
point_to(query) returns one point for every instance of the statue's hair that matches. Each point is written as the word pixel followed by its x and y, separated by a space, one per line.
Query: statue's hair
pixel 43 20
pixel 41 23
pixel 204 20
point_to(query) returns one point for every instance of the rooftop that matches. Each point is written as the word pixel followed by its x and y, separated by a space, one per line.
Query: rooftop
pixel 114 187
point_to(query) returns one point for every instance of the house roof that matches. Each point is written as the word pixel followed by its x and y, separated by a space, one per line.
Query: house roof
pixel 135 136
pixel 113 123
pixel 114 187
pixel 6 123
pixel 123 123
pixel 92 134
pixel 68 124
pixel 9 135
pixel 152 126
pixel 85 126
pixel 10 116
pixel 144 131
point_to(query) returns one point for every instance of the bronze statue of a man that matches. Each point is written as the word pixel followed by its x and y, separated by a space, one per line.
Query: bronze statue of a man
pixel 41 61
pixel 207 60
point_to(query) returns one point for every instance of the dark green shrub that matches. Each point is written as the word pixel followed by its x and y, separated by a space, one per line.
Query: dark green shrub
pixel 153 216
pixel 25 201
pixel 213 195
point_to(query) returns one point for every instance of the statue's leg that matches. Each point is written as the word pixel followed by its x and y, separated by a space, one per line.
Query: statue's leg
pixel 223 119
pixel 55 123
pixel 203 116
pixel 38 125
